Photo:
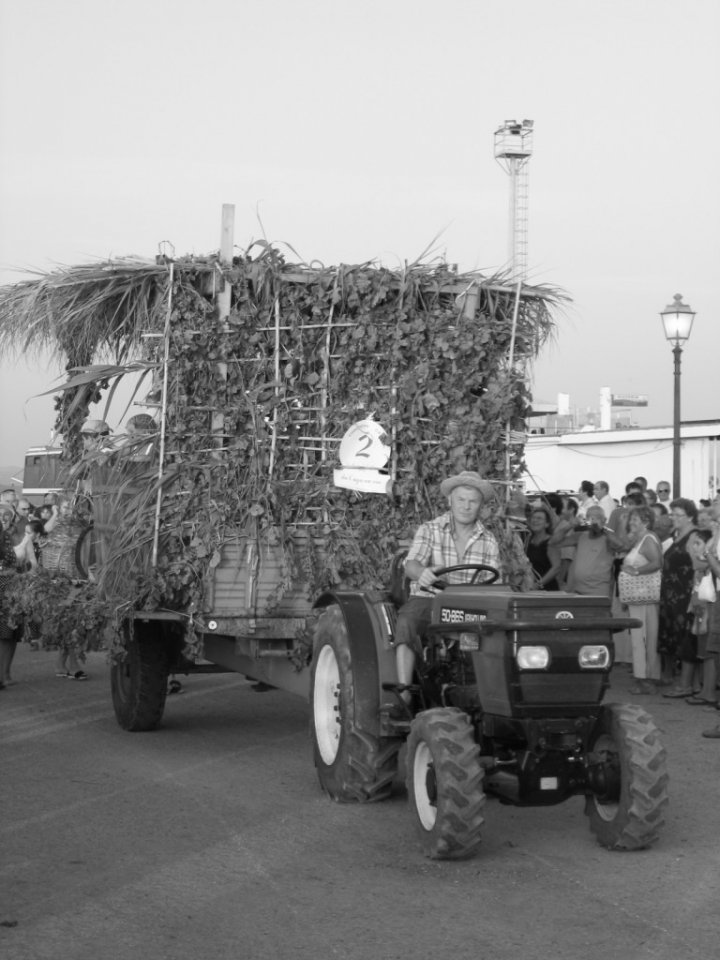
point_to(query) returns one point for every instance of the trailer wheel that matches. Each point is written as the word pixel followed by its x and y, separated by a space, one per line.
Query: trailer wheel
pixel 352 764
pixel 445 784
pixel 139 682
pixel 84 552
pixel 628 775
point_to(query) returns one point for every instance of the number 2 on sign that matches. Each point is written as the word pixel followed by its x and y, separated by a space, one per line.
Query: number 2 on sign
pixel 364 446
pixel 362 450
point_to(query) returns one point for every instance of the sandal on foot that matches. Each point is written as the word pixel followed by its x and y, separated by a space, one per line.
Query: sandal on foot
pixel 78 675
pixel 64 675
pixel 679 694
pixel 696 701
pixel 713 734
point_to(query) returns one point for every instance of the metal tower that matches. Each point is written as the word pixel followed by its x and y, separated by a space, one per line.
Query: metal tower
pixel 513 149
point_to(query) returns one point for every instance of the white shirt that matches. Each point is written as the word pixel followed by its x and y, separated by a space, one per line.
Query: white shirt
pixel 585 506
pixel 608 505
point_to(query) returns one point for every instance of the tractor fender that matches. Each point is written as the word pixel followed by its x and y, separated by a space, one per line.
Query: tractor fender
pixel 366 641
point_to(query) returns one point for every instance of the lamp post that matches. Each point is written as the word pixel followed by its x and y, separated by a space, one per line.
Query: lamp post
pixel 677 320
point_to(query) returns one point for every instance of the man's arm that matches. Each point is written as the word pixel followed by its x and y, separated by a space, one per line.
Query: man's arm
pixel 424 576
pixel 52 521
pixel 564 533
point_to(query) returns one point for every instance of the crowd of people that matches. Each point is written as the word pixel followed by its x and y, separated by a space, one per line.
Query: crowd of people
pixel 46 535
pixel 655 557
pixel 27 532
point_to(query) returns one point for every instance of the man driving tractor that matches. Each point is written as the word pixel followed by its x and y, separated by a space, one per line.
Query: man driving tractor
pixel 455 537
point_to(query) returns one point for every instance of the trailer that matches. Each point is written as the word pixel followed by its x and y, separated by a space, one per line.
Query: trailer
pixel 303 418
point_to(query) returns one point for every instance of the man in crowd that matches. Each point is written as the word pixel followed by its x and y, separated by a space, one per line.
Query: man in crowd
pixel 591 570
pixel 95 436
pixel 585 498
pixel 10 497
pixel 663 492
pixel 602 495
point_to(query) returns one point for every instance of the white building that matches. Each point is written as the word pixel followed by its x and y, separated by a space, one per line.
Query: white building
pixel 617 456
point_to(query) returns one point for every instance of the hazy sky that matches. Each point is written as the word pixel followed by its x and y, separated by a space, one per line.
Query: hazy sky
pixel 356 131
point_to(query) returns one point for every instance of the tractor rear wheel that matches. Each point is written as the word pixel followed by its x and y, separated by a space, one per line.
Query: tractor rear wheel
pixel 445 784
pixel 139 682
pixel 353 765
pixel 626 768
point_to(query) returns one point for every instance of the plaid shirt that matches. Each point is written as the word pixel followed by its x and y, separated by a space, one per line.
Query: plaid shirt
pixel 433 546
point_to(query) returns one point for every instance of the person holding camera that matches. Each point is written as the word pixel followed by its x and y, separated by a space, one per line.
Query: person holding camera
pixel 591 569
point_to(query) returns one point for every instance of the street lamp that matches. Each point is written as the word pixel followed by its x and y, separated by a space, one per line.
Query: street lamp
pixel 677 321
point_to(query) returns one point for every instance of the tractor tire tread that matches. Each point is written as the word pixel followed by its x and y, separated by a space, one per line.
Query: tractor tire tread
pixel 639 826
pixel 457 832
pixel 366 765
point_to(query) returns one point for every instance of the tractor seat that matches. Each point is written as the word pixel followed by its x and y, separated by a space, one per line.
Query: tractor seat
pixel 399 587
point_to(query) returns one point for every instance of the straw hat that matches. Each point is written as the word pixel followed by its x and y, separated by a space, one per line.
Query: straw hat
pixel 95 427
pixel 468 478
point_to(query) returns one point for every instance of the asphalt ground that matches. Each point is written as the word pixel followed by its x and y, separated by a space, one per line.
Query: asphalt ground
pixel 210 837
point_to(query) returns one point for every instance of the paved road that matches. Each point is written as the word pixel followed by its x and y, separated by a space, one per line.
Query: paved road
pixel 211 838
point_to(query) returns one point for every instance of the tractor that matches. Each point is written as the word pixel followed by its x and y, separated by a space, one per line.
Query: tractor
pixel 507 701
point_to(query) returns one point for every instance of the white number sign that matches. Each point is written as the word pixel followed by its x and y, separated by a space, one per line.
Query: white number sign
pixel 365 445
pixel 364 451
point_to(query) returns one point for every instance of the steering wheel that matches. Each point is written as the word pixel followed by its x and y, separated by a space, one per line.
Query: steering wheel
pixel 477 567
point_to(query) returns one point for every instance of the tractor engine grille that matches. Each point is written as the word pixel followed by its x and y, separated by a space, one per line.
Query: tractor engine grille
pixel 556 688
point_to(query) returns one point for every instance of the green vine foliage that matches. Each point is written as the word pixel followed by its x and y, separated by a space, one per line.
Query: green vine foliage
pixel 258 399
pixel 58 612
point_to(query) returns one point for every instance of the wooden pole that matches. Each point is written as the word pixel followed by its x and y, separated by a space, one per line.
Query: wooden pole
pixel 227 245
pixel 511 370
pixel 223 301
pixel 163 415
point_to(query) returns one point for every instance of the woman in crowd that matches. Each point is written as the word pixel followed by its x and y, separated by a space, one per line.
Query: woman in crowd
pixel 663 525
pixel 644 557
pixel 675 592
pixel 45 512
pixel 26 551
pixel 691 649
pixel 711 663
pixel 544 556
pixel 8 572
pixel 58 553
pixel 61 539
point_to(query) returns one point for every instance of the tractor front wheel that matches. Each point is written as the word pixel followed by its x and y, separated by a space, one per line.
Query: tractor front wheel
pixel 445 784
pixel 628 776
pixel 352 763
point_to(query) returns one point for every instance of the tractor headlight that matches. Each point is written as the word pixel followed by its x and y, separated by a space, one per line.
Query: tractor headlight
pixel 469 641
pixel 594 657
pixel 532 658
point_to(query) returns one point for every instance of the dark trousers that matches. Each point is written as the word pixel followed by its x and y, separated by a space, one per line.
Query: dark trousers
pixel 413 619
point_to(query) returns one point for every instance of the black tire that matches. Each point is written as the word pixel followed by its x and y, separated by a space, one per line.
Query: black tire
pixel 353 765
pixel 84 552
pixel 628 768
pixel 445 784
pixel 139 683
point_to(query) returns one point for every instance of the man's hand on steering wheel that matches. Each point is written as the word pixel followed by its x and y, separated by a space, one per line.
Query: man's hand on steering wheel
pixel 426 580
